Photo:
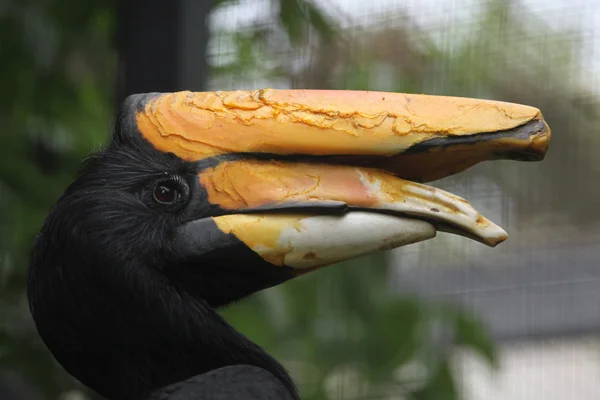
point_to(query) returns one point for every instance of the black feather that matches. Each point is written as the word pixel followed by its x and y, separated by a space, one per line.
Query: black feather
pixel 107 294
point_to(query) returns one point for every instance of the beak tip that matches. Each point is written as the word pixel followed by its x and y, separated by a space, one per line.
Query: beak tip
pixel 541 140
pixel 535 146
pixel 496 241
pixel 495 236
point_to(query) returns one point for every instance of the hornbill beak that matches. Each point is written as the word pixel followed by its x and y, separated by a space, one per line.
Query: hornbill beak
pixel 308 178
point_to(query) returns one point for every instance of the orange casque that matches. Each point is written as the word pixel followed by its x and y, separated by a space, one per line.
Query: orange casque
pixel 323 122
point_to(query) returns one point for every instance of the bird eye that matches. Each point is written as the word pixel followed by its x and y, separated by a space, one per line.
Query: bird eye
pixel 166 192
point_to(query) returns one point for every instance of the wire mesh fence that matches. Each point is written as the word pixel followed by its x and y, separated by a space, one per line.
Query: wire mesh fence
pixel 369 329
pixel 542 285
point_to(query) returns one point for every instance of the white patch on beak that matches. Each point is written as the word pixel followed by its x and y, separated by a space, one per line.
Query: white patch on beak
pixel 454 213
pixel 327 239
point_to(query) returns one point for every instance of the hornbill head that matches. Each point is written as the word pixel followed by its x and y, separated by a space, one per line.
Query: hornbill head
pixel 204 198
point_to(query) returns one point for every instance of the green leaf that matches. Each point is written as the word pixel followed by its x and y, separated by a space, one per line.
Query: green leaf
pixel 392 337
pixel 440 385
pixel 471 332
pixel 323 25
pixel 296 16
pixel 292 19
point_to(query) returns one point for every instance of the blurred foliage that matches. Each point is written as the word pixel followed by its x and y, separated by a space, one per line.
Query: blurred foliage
pixel 343 335
pixel 342 332
pixel 375 341
pixel 56 105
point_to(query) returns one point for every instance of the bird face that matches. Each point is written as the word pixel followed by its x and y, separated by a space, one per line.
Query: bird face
pixel 273 184
pixel 227 193
pixel 222 194
pixel 204 198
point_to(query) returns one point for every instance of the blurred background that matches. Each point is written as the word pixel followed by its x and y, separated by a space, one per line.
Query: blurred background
pixel 445 319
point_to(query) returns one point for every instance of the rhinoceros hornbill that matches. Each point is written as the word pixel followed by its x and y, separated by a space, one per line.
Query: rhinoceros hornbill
pixel 202 199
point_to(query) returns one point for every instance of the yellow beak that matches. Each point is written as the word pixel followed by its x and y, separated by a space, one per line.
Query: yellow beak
pixel 307 178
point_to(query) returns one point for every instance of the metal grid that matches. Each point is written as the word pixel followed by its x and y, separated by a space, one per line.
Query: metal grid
pixel 545 281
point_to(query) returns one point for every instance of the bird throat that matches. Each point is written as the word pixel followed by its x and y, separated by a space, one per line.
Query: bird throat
pixel 202 343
